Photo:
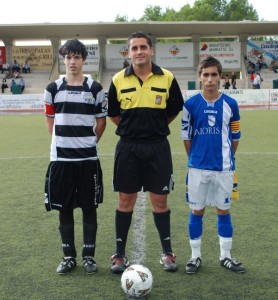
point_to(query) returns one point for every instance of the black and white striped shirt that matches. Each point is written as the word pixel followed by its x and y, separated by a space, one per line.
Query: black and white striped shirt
pixel 75 111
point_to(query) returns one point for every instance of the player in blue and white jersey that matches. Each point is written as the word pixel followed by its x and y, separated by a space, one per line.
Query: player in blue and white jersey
pixel 211 133
pixel 75 109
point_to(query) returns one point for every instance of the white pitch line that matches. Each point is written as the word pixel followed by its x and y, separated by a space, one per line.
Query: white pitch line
pixel 237 153
pixel 112 154
pixel 139 230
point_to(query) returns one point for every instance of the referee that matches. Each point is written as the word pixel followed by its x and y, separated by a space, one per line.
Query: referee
pixel 142 100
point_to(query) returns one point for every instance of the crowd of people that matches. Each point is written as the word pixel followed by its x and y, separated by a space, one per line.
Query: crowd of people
pixel 14 83
pixel 143 162
pixel 13 73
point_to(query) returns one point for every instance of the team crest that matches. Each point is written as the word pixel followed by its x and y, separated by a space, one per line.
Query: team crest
pixel 88 98
pixel 158 100
pixel 211 120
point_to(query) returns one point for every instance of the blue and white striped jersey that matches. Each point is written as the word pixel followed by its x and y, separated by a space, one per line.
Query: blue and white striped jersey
pixel 75 111
pixel 211 127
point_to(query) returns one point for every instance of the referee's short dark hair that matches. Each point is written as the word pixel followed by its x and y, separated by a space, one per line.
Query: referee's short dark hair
pixel 138 35
pixel 74 47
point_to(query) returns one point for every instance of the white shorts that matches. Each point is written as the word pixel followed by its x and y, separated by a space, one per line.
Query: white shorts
pixel 209 188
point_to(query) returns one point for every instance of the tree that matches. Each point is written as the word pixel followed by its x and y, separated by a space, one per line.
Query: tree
pixel 152 13
pixel 239 10
pixel 203 10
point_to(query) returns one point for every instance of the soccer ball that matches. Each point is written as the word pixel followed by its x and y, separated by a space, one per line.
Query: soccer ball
pixel 137 281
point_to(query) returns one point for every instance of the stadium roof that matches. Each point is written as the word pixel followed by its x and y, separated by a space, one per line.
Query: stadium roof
pixel 121 30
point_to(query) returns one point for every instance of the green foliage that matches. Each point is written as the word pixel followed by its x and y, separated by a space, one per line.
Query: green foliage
pixel 121 18
pixel 238 10
pixel 152 13
pixel 202 10
pixel 30 244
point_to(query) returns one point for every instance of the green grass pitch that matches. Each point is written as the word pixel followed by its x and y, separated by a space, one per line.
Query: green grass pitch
pixel 30 245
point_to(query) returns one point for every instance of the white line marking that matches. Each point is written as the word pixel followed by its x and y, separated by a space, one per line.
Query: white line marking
pixel 139 230
pixel 112 154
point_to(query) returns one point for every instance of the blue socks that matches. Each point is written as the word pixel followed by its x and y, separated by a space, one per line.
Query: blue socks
pixel 225 228
pixel 195 226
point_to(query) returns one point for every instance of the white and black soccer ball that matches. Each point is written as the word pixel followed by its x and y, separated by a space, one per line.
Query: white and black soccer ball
pixel 137 281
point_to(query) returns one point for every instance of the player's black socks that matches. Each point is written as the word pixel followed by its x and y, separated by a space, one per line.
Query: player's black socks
pixel 67 233
pixel 67 237
pixel 122 224
pixel 89 232
pixel 162 222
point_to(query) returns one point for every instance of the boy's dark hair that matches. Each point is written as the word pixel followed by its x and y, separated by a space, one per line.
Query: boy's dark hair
pixel 138 35
pixel 210 62
pixel 74 47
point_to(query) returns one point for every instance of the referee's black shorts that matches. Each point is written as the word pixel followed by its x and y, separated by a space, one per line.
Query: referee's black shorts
pixel 73 184
pixel 143 164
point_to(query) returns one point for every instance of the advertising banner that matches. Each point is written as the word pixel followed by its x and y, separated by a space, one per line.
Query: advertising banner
pixel 179 55
pixel 2 56
pixel 269 50
pixel 228 53
pixel 38 57
pixel 116 54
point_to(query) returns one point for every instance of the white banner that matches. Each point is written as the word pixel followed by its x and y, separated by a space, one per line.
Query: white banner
pixel 21 103
pixel 228 53
pixel 249 99
pixel 115 56
pixel 179 55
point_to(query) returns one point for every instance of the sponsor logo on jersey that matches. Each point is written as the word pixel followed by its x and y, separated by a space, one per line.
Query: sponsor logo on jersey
pixel 74 92
pixel 211 120
pixel 207 130
pixel 88 98
pixel 210 111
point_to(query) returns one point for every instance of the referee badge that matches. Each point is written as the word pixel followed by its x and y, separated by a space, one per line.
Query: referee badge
pixel 158 100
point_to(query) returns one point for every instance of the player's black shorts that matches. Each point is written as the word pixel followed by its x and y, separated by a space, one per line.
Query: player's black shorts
pixel 147 165
pixel 73 184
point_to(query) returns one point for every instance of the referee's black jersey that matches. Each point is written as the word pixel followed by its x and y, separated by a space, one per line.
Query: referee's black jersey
pixel 144 107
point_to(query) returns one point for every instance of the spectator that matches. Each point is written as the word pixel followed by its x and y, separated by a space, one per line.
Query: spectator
pixel 16 75
pixel 125 64
pixel 251 68
pixel 13 84
pixel 274 65
pixel 261 62
pixel 4 85
pixel 15 67
pixel 233 79
pixel 6 68
pixel 22 84
pixel 26 68
pixel 252 76
pixel 257 81
pixel 226 84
